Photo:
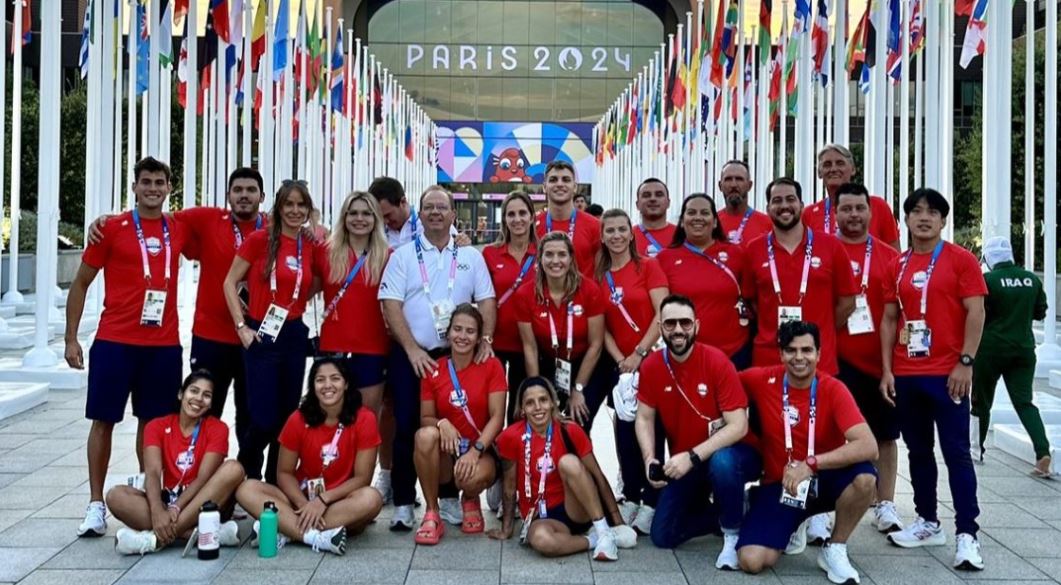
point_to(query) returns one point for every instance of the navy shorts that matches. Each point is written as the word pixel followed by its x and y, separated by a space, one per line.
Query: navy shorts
pixel 152 374
pixel 770 523
pixel 366 369
pixel 882 417
pixel 559 513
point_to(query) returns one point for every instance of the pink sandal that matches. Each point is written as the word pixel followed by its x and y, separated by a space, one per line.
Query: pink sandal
pixel 431 529
pixel 473 516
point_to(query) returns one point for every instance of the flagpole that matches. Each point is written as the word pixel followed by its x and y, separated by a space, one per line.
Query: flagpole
pixel 906 70
pixel 1049 353
pixel 1029 134
pixel 151 131
pixel 880 106
pixel 96 111
pixel 753 154
pixel 888 155
pixel 919 110
pixel 265 113
pixel 3 140
pixel 210 178
pixel 804 113
pixel 131 115
pixel 739 150
pixel 327 150
pixel 782 162
pixel 165 82
pixel 931 54
pixel 841 78
pixel 946 118
pixel 112 62
pixel 13 296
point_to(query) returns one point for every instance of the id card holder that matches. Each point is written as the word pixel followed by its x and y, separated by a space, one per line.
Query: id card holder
pixel 919 339
pixel 861 319
pixel 463 446
pixel 525 529
pixel 563 376
pixel 441 313
pixel 154 306
pixel 272 323
pixel 314 488
pixel 799 499
pixel 789 313
pixel 715 426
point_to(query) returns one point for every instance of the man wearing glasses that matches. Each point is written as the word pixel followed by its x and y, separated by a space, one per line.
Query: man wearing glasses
pixel 695 390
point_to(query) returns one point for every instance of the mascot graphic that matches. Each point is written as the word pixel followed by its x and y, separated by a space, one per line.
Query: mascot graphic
pixel 510 167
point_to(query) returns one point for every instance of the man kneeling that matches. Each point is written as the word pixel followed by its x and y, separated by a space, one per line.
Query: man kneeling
pixel 817 452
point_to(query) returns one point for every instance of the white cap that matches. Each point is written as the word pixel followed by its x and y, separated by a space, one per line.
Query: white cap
pixel 997 249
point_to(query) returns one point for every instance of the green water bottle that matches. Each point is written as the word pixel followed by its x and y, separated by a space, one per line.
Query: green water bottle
pixel 267 526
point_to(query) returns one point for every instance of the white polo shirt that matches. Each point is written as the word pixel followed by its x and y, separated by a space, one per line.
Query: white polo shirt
pixel 402 282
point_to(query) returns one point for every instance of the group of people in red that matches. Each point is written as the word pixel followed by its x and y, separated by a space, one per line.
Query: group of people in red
pixel 789 349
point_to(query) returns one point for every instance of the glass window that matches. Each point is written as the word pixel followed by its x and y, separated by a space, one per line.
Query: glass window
pixel 514 25
pixel 464 22
pixel 517 100
pixel 438 27
pixel 412 19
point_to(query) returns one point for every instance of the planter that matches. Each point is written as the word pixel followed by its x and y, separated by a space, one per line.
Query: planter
pixel 68 263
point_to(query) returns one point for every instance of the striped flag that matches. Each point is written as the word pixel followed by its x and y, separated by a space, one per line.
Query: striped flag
pixel 27 25
pixel 917 27
pixel 143 50
pixel 975 34
pixel 338 88
pixel 765 27
pixel 165 30
pixel 726 52
pixel 258 35
pixel 219 10
pixel 281 38
pixel 820 36
pixel 86 40
pixel 895 41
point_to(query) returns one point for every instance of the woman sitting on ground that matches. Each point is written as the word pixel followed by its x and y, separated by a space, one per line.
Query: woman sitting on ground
pixel 184 467
pixel 462 409
pixel 327 455
pixel 563 496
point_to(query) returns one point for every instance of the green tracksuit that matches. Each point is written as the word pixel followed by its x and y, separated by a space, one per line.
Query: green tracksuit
pixel 1015 298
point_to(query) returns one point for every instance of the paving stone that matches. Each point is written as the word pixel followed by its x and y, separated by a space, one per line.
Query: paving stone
pixel 293 556
pixel 469 577
pixel 40 532
pixel 1050 566
pixel 892 570
pixel 14 440
pixel 1042 508
pixel 457 553
pixel 1030 542
pixel 699 568
pixel 999 562
pixel 91 553
pixel 168 566
pixel 31 426
pixel 1007 516
pixel 520 564
pixel 1018 486
pixel 19 562
pixel 66 477
pixel 644 558
pixel 9 518
pixel 79 576
pixel 68 506
pixel 366 566
pixel 232 576
pixel 15 462
pixel 638 578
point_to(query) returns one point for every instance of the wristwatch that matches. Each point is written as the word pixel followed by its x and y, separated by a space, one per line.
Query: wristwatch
pixel 240 325
pixel 641 352
pixel 479 446
pixel 694 458
pixel 966 359
pixel 580 387
pixel 812 462
pixel 487 339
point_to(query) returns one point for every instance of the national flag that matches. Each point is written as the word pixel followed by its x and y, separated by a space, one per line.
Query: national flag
pixel 856 48
pixel 749 96
pixel 791 71
pixel 964 7
pixel 219 10
pixel 315 45
pixel 774 94
pixel 281 38
pixel 207 53
pixel 182 73
pixel 672 72
pixel 143 49
pixel 258 34
pixel 86 40
pixel 802 23
pixel 338 88
pixel 234 51
pixel 180 11
pixel 820 36
pixel 726 38
pixel 975 34
pixel 27 24
pixel 408 142
pixel 917 27
pixel 895 41
pixel 165 41
pixel 765 28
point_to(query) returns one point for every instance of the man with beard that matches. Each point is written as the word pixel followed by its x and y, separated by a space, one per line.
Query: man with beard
pixel 836 166
pixel 561 215
pixel 816 451
pixel 400 220
pixel 859 343
pixel 581 203
pixel 654 232
pixel 695 390
pixel 740 222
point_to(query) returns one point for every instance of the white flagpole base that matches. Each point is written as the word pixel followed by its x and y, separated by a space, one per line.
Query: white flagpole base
pixel 40 357
pixel 16 398
pixel 12 297
pixel 1048 363
pixel 58 375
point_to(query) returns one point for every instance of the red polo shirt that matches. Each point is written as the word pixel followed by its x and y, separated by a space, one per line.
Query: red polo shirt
pixel 863 350
pixel 586 239
pixel 255 250
pixel 758 224
pixel 709 384
pixel 510 447
pixel 356 324
pixel 714 294
pixel 829 278
pixel 309 443
pixel 632 285
pixel 663 237
pixel 955 277
pixel 882 226
pixel 504 269
pixel 477 381
pixel 587 302
pixel 165 433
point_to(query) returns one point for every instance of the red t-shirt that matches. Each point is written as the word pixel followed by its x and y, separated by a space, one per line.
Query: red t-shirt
pixel 165 433
pixel 837 414
pixel 212 241
pixel 706 378
pixel 477 382
pixel 118 256
pixel 586 240
pixel 882 226
pixel 632 283
pixel 356 324
pixel 588 302
pixel 714 294
pixel 510 446
pixel 758 224
pixel 663 237
pixel 829 279
pixel 309 443
pixel 863 350
pixel 255 250
pixel 956 276
pixel 504 269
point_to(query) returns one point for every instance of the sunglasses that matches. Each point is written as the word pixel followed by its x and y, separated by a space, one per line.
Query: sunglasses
pixel 671 324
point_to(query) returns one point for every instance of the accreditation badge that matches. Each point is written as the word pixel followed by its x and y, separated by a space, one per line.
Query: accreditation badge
pixel 789 313
pixel 273 322
pixel 563 376
pixel 861 320
pixel 154 306
pixel 441 312
pixel 919 339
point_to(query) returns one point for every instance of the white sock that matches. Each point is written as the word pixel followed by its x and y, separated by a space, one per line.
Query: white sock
pixel 601 525
pixel 839 546
pixel 731 531
pixel 385 474
pixel 309 535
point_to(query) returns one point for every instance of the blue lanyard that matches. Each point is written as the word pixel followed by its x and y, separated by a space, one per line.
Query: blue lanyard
pixel 651 239
pixel 740 228
pixel 928 277
pixel 519 279
pixel 239 234
pixel 342 290
pixel 617 300
pixel 298 273
pixel 828 215
pixel 143 245
pixel 570 226
pixel 528 434
pixel 812 416
pixel 456 383
pixel 189 454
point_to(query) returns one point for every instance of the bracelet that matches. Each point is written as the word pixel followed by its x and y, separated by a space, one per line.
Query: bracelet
pixel 323 501
pixel 174 507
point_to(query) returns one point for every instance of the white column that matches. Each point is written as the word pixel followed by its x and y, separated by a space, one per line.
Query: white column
pixel 930 58
pixel 840 76
pixel 153 145
pixel 13 296
pixel 946 118
pixel 997 126
pixel 1029 135
pixel 1049 353
pixel 248 88
pixel 191 120
pixel 130 117
pixel 41 356
pixel 879 96
pixel 3 140
pixel 904 110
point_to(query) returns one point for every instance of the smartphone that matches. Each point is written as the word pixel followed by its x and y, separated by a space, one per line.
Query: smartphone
pixel 655 472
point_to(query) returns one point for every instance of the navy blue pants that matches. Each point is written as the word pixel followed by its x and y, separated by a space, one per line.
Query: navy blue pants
pixel 516 367
pixel 224 361
pixel 404 388
pixel 924 407
pixel 276 372
pixel 684 510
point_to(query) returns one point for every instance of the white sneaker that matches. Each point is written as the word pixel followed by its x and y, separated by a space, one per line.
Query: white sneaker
pixel 967 556
pixel 818 529
pixel 95 522
pixel 403 519
pixel 229 534
pixel 886 518
pixel 281 540
pixel 383 486
pixel 797 542
pixel 833 560
pixel 449 509
pixel 643 519
pixel 606 548
pixel 628 510
pixel 332 540
pixel 135 542
pixel 920 533
pixel 493 495
pixel 625 537
pixel 727 559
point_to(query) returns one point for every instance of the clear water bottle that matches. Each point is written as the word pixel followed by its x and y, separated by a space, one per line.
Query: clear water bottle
pixel 268 525
pixel 209 527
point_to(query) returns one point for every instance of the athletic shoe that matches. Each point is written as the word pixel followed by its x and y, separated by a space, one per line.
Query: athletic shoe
pixel 967 555
pixel 403 519
pixel 281 540
pixel 797 542
pixel 628 510
pixel 332 540
pixel 920 533
pixel 605 549
pixel 135 542
pixel 643 519
pixel 493 495
pixel 383 486
pixel 886 518
pixel 833 560
pixel 449 509
pixel 95 523
pixel 818 530
pixel 625 537
pixel 727 559
pixel 229 534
